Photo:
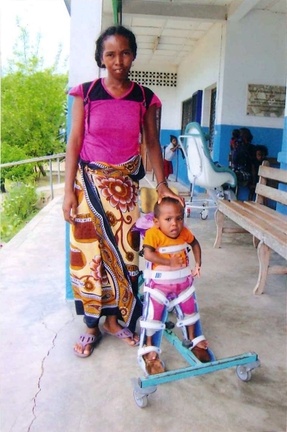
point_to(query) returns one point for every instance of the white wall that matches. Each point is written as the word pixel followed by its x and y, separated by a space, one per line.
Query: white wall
pixel 231 56
pixel 198 71
pixel 85 28
pixel 201 70
pixel 255 54
pixel 171 112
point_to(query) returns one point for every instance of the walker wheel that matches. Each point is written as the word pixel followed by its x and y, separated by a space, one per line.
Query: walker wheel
pixel 204 214
pixel 243 373
pixel 141 400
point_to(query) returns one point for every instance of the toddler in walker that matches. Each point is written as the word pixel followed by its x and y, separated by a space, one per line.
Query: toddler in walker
pixel 169 285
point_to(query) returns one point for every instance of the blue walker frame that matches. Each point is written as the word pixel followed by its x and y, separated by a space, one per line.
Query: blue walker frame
pixel 144 386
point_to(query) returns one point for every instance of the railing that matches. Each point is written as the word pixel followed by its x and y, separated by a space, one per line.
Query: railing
pixel 41 159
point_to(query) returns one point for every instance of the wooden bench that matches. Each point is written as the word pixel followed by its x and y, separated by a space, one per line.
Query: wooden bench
pixel 267 226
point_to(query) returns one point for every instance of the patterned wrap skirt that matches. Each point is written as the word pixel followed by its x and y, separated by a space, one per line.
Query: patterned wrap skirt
pixel 104 246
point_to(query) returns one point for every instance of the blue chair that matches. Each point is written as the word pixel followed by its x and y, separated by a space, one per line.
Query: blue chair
pixel 203 172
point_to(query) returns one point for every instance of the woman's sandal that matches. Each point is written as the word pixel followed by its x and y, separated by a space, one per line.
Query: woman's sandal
pixel 87 339
pixel 126 335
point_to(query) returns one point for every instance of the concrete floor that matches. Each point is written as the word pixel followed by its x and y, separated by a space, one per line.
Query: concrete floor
pixel 46 388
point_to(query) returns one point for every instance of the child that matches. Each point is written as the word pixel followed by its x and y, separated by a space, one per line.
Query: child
pixel 169 230
pixel 169 155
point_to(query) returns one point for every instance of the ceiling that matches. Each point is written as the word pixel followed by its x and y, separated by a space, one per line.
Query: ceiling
pixel 167 30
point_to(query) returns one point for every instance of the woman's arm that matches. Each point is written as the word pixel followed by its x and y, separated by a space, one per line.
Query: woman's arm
pixel 72 156
pixel 155 155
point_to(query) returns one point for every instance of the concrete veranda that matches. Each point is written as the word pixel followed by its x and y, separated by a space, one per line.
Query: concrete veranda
pixel 46 388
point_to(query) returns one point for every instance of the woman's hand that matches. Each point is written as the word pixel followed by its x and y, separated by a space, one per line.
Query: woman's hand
pixel 164 191
pixel 70 207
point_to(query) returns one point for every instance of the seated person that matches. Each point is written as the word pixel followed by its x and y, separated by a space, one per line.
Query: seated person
pixel 243 158
pixel 261 153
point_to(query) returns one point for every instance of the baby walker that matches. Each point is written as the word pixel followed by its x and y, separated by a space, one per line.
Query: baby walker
pixel 146 385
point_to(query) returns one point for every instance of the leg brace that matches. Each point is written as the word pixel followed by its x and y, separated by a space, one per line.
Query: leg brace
pixel 158 302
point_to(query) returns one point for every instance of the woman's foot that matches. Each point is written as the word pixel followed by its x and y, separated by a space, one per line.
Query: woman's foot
pixel 87 342
pixel 114 329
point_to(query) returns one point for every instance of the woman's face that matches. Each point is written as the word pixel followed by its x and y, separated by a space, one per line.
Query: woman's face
pixel 117 56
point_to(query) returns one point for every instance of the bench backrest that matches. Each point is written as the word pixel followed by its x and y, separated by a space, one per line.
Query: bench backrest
pixel 263 190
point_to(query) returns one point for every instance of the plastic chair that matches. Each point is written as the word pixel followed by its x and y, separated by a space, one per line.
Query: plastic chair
pixel 203 172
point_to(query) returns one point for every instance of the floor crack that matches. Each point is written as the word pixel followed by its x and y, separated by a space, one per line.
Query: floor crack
pixel 42 372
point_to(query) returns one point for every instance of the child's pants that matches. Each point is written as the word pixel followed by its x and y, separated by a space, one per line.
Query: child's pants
pixel 171 290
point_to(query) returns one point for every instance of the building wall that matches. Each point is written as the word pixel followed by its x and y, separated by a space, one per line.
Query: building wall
pixel 230 57
pixel 254 54
pixel 85 28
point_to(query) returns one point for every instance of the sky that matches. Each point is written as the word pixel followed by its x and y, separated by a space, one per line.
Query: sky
pixel 49 18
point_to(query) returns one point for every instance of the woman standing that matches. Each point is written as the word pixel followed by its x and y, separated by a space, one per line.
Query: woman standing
pixel 103 168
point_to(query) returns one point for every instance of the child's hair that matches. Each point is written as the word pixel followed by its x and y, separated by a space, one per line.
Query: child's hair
pixel 112 31
pixel 165 200
pixel 262 148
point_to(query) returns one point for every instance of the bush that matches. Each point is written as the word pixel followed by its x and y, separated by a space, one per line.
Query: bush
pixel 19 206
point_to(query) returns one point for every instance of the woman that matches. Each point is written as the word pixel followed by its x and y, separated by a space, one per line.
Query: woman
pixel 103 167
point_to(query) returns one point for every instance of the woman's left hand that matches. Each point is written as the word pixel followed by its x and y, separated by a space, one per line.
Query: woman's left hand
pixel 164 191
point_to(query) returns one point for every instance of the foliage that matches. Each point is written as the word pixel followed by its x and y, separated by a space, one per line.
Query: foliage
pixel 17 172
pixel 33 124
pixel 33 104
pixel 18 207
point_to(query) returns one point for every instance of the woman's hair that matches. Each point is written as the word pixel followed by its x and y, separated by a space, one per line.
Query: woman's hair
pixel 112 31
pixel 246 135
pixel 235 133
pixel 165 200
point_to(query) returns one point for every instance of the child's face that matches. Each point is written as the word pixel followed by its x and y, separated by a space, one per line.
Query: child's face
pixel 174 142
pixel 170 220
pixel 259 155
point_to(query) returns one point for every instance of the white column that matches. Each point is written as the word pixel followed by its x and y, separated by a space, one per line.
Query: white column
pixel 86 22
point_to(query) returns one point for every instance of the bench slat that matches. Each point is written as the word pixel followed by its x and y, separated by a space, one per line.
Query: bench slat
pixel 273 236
pixel 266 213
pixel 268 227
pixel 271 193
pixel 273 173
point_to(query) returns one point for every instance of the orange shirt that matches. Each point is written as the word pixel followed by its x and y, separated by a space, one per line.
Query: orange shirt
pixel 156 239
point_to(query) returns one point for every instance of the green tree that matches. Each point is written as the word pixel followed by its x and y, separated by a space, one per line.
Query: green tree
pixel 33 104
pixel 18 172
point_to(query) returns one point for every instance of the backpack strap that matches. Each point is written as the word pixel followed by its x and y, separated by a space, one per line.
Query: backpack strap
pixel 86 99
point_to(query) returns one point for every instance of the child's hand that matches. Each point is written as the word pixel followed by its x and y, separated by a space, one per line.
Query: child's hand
pixel 176 260
pixel 196 270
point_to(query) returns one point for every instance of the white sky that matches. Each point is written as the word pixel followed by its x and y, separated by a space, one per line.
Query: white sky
pixel 49 18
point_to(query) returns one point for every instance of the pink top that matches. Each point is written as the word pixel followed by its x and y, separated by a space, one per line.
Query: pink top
pixel 113 125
